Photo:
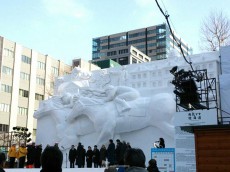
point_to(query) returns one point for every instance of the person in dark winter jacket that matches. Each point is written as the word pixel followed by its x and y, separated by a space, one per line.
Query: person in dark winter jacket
pixel 80 155
pixel 96 156
pixel 111 152
pixel 2 161
pixel 51 159
pixel 72 156
pixel 152 166
pixel 37 158
pixel 89 157
pixel 103 154
pixel 30 155
pixel 134 158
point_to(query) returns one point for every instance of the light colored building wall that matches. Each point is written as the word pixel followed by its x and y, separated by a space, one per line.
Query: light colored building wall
pixel 41 66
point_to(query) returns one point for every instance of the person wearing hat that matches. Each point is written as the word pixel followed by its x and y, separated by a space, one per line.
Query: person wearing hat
pixel 96 156
pixel 12 154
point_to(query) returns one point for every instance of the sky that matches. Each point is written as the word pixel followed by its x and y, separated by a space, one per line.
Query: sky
pixel 64 29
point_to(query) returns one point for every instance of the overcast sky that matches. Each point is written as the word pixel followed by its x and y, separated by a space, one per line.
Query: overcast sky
pixel 64 28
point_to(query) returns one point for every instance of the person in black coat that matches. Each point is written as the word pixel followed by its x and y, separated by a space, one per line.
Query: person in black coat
pixel 84 154
pixel 96 156
pixel 72 156
pixel 31 154
pixel 80 155
pixel 89 157
pixel 2 161
pixel 152 166
pixel 103 155
pixel 111 152
pixel 37 158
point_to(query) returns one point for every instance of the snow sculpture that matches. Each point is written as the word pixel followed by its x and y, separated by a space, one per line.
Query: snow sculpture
pixel 95 107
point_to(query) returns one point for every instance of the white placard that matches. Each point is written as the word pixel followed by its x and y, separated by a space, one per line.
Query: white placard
pixel 196 118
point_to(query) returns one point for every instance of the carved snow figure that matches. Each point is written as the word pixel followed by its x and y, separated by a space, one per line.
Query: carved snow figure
pixel 92 107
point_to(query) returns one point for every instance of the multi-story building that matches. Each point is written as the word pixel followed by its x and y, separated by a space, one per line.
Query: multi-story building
pixel 26 78
pixel 128 55
pixel 155 42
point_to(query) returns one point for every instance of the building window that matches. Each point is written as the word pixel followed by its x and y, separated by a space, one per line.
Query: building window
pixel 6 88
pixel 23 93
pixel 112 53
pixel 54 70
pixel 25 76
pixel 7 70
pixel 41 65
pixel 4 128
pixel 26 59
pixel 39 97
pixel 22 111
pixel 4 107
pixel 8 53
pixel 136 34
pixel 40 81
pixel 134 60
pixel 134 52
pixel 123 51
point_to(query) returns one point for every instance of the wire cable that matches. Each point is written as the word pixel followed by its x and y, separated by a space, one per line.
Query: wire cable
pixel 166 15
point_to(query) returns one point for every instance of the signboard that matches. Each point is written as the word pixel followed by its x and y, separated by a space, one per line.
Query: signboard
pixel 196 117
pixel 165 158
pixel 184 138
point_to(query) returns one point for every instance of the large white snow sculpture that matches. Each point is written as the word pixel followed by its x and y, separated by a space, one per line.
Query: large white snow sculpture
pixel 94 107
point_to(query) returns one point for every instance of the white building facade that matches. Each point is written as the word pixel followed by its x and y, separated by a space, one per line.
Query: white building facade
pixel 26 78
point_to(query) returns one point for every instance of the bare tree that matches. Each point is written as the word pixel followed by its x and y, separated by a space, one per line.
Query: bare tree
pixel 215 31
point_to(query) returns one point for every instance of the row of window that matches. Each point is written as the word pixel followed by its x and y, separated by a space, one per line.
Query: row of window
pixel 23 93
pixel 8 53
pixel 6 70
pixel 112 53
pixel 40 81
pixel 26 59
pixel 22 111
pixel 4 128
pixel 6 88
pixel 4 107
pixel 119 38
pixel 123 51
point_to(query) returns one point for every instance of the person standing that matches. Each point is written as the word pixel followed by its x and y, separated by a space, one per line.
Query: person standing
pixel 161 143
pixel 51 159
pixel 84 153
pixel 89 157
pixel 103 154
pixel 111 152
pixel 80 154
pixel 12 154
pixel 2 161
pixel 22 152
pixel 72 156
pixel 96 156
pixel 37 158
pixel 30 155
pixel 152 167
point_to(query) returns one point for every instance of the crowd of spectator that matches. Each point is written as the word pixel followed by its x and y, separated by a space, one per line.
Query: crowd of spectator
pixel 117 156
pixel 96 157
